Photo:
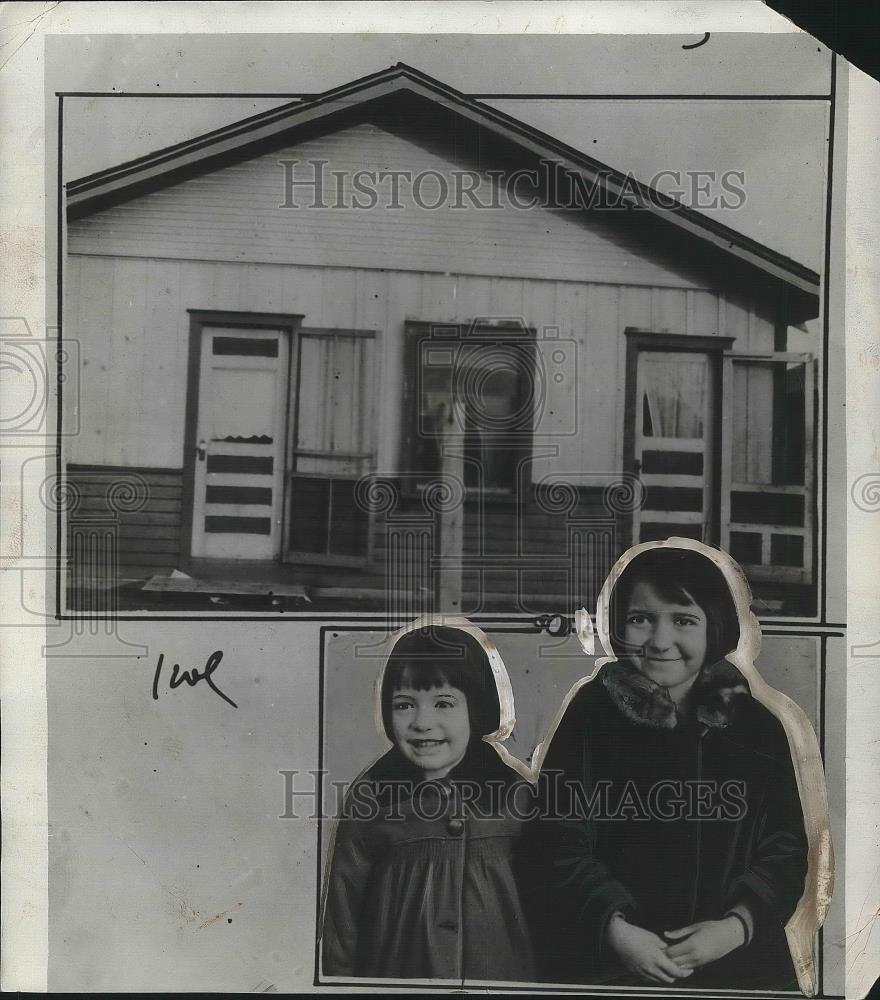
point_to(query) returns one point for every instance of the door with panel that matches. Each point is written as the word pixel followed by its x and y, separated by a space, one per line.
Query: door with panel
pixel 674 445
pixel 238 479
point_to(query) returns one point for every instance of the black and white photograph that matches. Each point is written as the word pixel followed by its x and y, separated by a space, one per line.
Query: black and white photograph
pixel 396 346
pixel 439 474
pixel 656 831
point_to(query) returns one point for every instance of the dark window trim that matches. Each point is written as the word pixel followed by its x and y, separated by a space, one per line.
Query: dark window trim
pixel 414 332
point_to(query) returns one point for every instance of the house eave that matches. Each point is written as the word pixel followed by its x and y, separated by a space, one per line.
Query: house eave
pixel 246 138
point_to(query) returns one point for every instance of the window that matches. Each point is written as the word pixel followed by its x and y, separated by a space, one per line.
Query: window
pixel 333 444
pixel 674 399
pixel 768 450
pixel 469 403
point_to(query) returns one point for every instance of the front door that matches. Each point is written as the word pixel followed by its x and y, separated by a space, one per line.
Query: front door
pixel 674 438
pixel 239 464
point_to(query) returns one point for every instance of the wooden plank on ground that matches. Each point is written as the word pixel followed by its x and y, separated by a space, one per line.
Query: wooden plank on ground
pixel 187 585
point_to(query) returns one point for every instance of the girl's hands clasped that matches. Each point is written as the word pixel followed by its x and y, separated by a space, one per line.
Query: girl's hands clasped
pixel 643 952
pixel 704 942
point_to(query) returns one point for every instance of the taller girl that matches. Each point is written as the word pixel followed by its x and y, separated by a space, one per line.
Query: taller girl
pixel 671 847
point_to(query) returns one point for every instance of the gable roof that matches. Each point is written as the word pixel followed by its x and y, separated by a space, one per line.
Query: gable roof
pixel 402 86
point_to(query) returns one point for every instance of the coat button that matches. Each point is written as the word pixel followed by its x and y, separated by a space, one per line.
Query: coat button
pixel 455 827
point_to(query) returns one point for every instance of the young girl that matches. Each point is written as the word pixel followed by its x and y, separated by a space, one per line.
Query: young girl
pixel 421 882
pixel 671 847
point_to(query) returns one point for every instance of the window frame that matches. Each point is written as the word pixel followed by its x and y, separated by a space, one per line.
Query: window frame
pixel 765 571
pixel 417 331
pixel 296 556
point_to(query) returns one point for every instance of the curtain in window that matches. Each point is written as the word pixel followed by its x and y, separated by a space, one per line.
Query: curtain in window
pixel 478 395
pixel 334 445
pixel 334 405
pixel 490 392
pixel 675 395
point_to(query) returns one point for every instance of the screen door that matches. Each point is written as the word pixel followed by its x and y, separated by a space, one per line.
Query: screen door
pixel 673 445
pixel 239 462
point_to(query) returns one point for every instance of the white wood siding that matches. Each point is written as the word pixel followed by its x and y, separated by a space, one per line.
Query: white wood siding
pixel 233 214
pixel 221 242
pixel 130 317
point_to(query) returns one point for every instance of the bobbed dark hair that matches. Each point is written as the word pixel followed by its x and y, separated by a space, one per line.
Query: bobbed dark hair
pixel 436 655
pixel 680 576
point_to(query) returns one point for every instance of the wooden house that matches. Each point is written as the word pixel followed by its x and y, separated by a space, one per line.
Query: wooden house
pixel 296 394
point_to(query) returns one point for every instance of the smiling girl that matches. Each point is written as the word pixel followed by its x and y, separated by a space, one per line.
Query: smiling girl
pixel 421 883
pixel 688 866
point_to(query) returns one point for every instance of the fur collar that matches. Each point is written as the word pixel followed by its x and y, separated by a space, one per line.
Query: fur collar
pixel 712 701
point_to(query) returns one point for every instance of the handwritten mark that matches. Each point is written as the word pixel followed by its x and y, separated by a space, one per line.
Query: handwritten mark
pixel 192 677
pixel 696 45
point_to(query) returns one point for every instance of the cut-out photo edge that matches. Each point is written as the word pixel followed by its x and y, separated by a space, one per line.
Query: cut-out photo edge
pixel 812 908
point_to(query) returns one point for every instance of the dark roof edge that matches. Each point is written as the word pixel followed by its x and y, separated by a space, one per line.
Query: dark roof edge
pixel 229 131
pixel 83 191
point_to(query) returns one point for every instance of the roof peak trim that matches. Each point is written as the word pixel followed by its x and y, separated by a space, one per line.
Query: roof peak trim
pixel 128 179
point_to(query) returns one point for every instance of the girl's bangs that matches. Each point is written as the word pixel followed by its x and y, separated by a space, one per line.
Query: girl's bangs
pixel 421 675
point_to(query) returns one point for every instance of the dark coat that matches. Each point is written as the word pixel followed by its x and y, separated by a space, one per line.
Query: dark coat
pixel 689 817
pixel 421 883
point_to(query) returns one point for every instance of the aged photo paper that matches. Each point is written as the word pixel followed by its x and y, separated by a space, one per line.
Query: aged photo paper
pixel 439 475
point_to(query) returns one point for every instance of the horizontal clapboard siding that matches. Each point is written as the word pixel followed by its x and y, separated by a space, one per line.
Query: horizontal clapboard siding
pixel 221 242
pixel 147 539
pixel 234 214
pixel 129 317
pixel 139 506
